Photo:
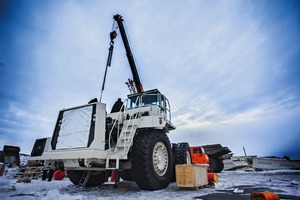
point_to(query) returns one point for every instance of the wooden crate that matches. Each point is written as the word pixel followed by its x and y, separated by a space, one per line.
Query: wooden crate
pixel 191 176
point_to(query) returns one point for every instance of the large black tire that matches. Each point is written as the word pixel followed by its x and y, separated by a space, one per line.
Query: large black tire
pixel 96 178
pixel 220 165
pixel 152 160
pixel 173 148
pixel 213 164
pixel 126 175
pixel 182 153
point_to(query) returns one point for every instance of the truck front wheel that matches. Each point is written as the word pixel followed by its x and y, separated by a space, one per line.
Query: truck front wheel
pixel 152 160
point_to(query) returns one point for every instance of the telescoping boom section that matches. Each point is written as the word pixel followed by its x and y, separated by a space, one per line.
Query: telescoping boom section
pixel 136 78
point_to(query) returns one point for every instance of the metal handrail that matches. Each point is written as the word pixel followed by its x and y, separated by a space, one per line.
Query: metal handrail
pixel 130 119
pixel 168 110
pixel 109 136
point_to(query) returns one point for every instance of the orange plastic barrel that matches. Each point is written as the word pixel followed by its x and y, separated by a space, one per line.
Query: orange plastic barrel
pixel 212 178
pixel 264 196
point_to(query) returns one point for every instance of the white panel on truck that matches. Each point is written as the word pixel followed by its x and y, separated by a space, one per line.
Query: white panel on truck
pixel 75 128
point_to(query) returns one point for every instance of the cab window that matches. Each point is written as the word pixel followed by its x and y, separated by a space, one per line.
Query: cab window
pixel 196 151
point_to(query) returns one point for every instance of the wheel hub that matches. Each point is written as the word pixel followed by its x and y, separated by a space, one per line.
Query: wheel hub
pixel 160 158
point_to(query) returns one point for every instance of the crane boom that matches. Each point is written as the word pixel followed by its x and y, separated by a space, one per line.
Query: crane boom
pixel 136 78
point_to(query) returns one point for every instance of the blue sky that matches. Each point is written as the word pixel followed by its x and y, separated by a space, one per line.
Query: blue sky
pixel 229 68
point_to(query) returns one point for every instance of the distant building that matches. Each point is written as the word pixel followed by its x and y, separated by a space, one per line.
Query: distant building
pixel 10 156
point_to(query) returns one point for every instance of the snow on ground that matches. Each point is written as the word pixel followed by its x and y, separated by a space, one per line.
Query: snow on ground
pixel 279 181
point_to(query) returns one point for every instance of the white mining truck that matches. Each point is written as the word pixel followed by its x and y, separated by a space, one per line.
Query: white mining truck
pixel 90 141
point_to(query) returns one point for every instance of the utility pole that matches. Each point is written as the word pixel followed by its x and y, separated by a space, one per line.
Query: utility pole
pixel 244 151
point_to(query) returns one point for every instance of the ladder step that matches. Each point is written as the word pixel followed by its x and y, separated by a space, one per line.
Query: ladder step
pixel 125 140
pixel 125 134
pixel 111 168
pixel 122 142
pixel 109 183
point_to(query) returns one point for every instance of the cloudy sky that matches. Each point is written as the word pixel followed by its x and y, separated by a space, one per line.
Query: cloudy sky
pixel 230 69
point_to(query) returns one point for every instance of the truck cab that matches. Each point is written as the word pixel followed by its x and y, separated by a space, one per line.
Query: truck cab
pixel 198 155
pixel 152 108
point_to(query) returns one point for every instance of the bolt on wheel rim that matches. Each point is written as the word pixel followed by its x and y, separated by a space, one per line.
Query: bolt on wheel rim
pixel 160 158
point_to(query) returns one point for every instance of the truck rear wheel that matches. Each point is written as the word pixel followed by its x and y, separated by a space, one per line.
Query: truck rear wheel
pixel 216 164
pixel 96 178
pixel 220 165
pixel 182 153
pixel 151 160
pixel 213 164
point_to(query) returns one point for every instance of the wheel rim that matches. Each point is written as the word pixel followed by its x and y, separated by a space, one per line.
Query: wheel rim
pixel 160 158
pixel 188 158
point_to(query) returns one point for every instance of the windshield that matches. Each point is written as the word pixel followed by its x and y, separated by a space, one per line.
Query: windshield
pixel 146 100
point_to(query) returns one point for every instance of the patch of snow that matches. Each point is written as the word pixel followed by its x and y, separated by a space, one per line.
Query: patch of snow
pixel 57 195
pixel 23 159
pixel 286 181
